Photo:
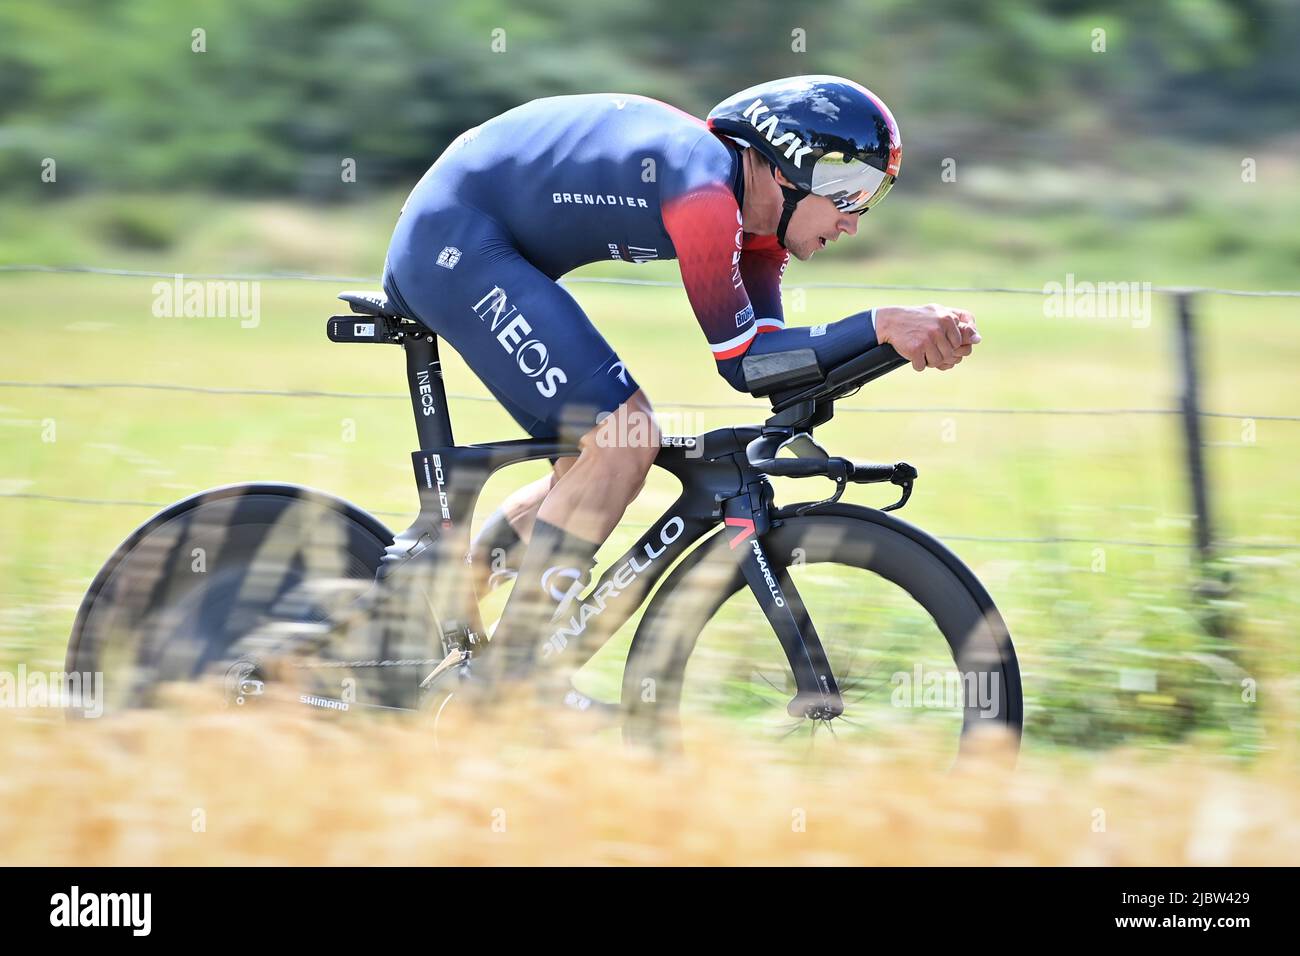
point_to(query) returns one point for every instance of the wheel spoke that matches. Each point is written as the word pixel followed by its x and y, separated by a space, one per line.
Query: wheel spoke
pixel 798 726
pixel 886 608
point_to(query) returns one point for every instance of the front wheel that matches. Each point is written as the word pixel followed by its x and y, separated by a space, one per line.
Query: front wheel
pixel 176 597
pixel 919 650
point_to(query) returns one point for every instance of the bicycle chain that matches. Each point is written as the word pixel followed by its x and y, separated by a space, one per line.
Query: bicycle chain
pixel 404 662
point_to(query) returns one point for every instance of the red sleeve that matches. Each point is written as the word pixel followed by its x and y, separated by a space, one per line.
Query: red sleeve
pixel 705 228
pixel 762 264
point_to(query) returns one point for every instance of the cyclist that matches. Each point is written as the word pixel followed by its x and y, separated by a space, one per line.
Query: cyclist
pixel 512 205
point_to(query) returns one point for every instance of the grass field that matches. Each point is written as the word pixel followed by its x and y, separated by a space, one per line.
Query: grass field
pixel 1078 524
pixel 1080 609
pixel 233 788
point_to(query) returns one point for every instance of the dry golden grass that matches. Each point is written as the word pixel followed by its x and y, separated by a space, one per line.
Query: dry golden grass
pixel 196 786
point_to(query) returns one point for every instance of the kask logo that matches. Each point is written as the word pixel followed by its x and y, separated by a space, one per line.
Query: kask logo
pixel 770 128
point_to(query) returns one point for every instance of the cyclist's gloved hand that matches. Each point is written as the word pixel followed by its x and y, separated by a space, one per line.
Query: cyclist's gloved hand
pixel 929 336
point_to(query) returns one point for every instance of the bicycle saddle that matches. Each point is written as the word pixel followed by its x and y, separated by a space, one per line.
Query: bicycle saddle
pixel 370 303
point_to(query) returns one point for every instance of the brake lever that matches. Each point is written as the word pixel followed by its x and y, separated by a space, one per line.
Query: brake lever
pixel 905 478
pixel 907 493
pixel 840 485
pixel 839 470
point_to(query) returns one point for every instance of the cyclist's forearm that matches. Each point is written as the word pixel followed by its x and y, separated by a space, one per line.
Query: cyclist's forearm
pixel 834 342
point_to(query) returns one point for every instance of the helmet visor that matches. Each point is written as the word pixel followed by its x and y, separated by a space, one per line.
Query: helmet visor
pixel 849 183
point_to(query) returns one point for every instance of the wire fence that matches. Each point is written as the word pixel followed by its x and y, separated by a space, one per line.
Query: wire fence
pixel 982 539
pixel 612 280
pixel 462 396
pixel 1181 291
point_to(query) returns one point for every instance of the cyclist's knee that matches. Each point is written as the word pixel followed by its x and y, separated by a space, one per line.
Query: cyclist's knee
pixel 626 464
pixel 625 444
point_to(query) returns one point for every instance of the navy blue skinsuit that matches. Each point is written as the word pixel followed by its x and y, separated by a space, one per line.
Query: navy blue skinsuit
pixel 557 183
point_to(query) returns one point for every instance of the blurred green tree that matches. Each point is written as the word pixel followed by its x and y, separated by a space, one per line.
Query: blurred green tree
pixel 285 90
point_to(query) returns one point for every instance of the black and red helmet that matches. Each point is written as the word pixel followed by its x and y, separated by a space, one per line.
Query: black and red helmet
pixel 829 136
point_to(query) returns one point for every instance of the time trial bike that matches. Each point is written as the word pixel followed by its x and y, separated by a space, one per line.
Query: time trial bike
pixel 784 617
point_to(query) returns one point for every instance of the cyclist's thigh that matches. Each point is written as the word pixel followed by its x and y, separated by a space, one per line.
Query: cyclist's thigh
pixel 527 339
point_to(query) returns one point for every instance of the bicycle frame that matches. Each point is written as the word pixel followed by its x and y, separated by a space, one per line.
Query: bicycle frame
pixel 719 488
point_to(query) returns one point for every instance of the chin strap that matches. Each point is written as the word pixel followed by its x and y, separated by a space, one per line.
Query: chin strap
pixel 792 198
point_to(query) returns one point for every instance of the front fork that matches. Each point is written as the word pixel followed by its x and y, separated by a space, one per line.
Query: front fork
pixel 748 519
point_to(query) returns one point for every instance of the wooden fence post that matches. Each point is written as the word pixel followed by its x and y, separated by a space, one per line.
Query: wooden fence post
pixel 1208 585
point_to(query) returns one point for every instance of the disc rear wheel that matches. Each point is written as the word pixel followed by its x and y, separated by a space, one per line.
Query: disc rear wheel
pixel 180 593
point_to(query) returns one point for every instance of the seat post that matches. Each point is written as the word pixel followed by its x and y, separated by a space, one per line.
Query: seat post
pixel 428 395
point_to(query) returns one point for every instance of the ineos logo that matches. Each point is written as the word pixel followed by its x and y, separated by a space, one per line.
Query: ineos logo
pixel 426 392
pixel 736 280
pixel 530 354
